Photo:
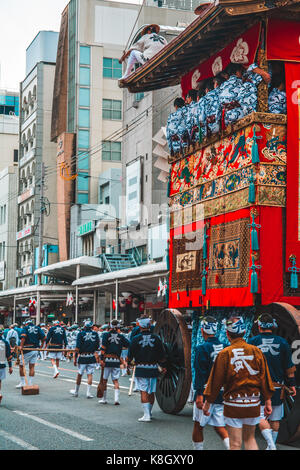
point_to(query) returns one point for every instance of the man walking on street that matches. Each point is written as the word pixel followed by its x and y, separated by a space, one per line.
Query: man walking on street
pixel 113 343
pixel 31 337
pixel 205 356
pixel 87 345
pixel 148 352
pixel 56 339
pixel 242 370
pixel 279 358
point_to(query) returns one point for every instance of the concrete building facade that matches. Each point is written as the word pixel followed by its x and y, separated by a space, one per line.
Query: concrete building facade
pixel 36 155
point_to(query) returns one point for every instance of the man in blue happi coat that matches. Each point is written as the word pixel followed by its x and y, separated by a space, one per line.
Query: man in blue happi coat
pixel 148 352
pixel 113 342
pixel 5 356
pixel 248 93
pixel 56 339
pixel 177 132
pixel 32 337
pixel 212 106
pixel 87 345
pixel 282 369
pixel 205 356
pixel 229 93
pixel 277 96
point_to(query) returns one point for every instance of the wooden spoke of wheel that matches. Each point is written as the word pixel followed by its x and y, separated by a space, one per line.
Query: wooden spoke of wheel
pixel 173 387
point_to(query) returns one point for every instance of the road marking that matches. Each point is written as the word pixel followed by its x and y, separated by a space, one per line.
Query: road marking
pixel 44 374
pixel 54 426
pixel 17 440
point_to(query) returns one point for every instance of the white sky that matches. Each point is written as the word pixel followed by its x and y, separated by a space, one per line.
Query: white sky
pixel 21 20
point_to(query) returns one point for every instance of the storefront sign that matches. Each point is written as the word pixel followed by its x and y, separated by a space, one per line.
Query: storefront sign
pixel 26 195
pixel 2 270
pixel 24 233
pixel 86 228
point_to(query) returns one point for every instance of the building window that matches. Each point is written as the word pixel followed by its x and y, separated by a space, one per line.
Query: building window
pixel 111 151
pixel 84 97
pixel 83 139
pixel 84 76
pixel 139 96
pixel 85 55
pixel 112 68
pixel 83 161
pixel 84 118
pixel 82 198
pixel 83 182
pixel 112 109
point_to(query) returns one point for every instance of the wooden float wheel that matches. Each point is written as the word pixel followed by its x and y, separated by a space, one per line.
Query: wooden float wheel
pixel 173 387
pixel 288 320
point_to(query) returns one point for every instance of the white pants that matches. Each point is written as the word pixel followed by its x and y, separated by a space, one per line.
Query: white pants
pixel 135 57
pixel 113 371
pixel 239 422
pixel 215 418
pixel 88 368
pixel 144 384
pixel 29 358
pixel 55 355
pixel 276 415
pixel 2 374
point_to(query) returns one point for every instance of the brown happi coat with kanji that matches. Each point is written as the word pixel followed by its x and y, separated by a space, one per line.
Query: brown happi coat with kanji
pixel 242 370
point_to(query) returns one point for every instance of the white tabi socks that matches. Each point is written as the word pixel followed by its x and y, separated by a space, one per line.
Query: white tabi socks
pixel 88 392
pixel 198 445
pixel 55 371
pixel 274 435
pixel 147 412
pixel 75 391
pixel 22 383
pixel 117 396
pixel 103 399
pixel 267 434
pixel 30 380
pixel 226 443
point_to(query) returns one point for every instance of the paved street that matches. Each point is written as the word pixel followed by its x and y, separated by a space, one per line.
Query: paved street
pixel 56 420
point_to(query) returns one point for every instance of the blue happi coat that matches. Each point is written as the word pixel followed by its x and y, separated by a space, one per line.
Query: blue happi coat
pixel 33 335
pixel 248 92
pixel 148 351
pixel 177 129
pixel 57 337
pixel 112 345
pixel 279 358
pixel 212 110
pixel 205 355
pixel 228 94
pixel 277 101
pixel 87 343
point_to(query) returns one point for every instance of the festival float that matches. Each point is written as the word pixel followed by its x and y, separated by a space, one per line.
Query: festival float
pixel 234 243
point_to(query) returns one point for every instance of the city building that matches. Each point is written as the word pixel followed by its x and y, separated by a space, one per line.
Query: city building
pixel 37 160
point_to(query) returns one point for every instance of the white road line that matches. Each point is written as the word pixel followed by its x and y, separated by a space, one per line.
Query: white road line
pixel 44 374
pixel 55 426
pixel 17 441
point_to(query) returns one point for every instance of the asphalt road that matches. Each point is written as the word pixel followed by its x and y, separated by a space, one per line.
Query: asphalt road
pixel 54 420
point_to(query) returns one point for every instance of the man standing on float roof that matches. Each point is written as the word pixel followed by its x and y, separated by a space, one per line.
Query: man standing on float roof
pixel 242 370
pixel 279 358
pixel 205 356
pixel 146 47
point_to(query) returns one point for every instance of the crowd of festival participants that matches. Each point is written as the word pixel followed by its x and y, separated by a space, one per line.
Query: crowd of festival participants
pixel 223 100
pixel 235 387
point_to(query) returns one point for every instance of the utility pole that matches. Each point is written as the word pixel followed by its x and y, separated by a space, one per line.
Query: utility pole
pixel 41 230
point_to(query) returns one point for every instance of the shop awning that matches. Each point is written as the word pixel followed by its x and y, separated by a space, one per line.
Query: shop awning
pixel 51 292
pixel 67 270
pixel 142 279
